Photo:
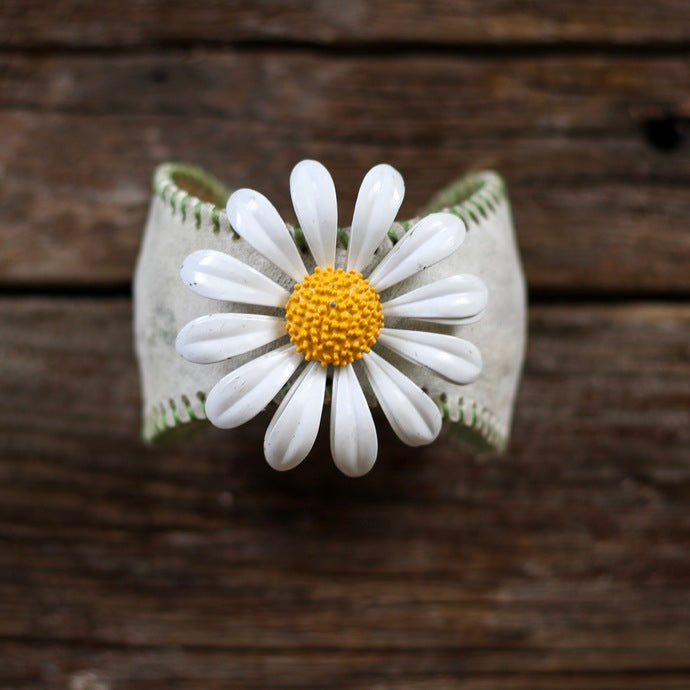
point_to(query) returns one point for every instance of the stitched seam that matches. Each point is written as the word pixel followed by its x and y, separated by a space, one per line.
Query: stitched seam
pixel 157 421
pixel 473 199
pixel 481 420
pixel 180 201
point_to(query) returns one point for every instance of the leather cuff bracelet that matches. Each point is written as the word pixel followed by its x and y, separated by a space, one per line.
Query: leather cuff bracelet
pixel 235 310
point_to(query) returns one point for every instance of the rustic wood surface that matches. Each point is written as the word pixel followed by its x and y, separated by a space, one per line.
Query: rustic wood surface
pixel 200 566
pixel 563 564
pixel 566 132
pixel 111 23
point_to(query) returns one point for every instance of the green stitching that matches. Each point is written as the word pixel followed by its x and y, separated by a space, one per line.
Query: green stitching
pixel 444 405
pixel 466 199
pixel 479 207
pixel 188 406
pixel 481 421
pixel 343 237
pixel 201 397
pixel 488 201
pixel 162 421
pixel 197 214
pixel 183 206
pixel 393 236
pixel 167 181
pixel 173 409
pixel 300 239
pixel 469 198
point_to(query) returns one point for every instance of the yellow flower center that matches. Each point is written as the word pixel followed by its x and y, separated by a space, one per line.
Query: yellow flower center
pixel 333 316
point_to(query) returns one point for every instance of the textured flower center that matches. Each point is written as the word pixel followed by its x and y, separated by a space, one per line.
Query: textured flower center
pixel 333 316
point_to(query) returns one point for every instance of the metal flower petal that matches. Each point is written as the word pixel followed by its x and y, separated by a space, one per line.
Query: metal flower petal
pixel 432 239
pixel 453 359
pixel 354 444
pixel 316 207
pixel 216 337
pixel 414 416
pixel 243 393
pixel 334 317
pixel 256 220
pixel 378 202
pixel 219 276
pixel 291 433
pixel 456 300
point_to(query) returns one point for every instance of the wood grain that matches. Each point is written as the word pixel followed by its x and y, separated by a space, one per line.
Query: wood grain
pixel 79 137
pixel 563 564
pixel 442 22
pixel 464 96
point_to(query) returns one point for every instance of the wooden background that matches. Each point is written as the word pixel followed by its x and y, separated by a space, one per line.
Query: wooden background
pixel 563 564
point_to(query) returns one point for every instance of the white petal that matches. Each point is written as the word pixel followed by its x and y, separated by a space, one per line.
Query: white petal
pixel 219 336
pixel 353 434
pixel 434 238
pixel 414 416
pixel 243 393
pixel 454 300
pixel 316 206
pixel 453 359
pixel 256 220
pixel 378 202
pixel 292 431
pixel 220 276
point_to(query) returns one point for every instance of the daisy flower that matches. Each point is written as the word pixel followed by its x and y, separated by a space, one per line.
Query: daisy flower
pixel 331 319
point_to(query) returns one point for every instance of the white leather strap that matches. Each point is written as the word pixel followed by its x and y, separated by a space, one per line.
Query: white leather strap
pixel 186 214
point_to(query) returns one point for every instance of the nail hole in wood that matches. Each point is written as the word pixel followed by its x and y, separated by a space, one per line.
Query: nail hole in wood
pixel 664 133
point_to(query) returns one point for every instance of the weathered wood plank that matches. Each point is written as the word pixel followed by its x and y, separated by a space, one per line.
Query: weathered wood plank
pixel 197 566
pixel 580 226
pixel 55 667
pixel 357 96
pixel 495 22
pixel 562 130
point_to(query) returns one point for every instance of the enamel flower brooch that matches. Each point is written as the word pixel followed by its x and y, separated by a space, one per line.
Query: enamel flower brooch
pixel 335 326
